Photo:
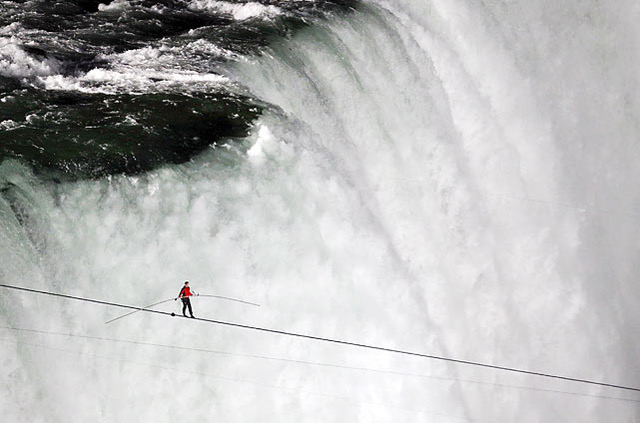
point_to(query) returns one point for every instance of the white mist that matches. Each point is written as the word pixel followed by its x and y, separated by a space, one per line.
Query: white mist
pixel 455 178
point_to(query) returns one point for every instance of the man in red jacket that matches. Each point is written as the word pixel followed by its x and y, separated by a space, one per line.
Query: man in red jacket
pixel 184 295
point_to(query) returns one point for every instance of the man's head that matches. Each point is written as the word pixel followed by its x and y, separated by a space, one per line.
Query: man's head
pixel 186 283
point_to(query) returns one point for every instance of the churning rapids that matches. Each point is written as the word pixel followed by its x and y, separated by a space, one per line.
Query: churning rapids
pixel 452 177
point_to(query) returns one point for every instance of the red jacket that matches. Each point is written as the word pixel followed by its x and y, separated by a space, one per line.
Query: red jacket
pixel 185 292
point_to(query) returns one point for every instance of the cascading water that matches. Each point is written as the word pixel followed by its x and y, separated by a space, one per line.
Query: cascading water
pixel 450 177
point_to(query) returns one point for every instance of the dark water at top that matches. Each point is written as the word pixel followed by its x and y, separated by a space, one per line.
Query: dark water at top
pixel 89 89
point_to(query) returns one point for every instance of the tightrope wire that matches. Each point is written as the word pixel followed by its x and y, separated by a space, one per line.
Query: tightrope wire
pixel 331 340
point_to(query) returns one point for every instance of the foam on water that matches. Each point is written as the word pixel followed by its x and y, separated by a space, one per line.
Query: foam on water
pixel 140 70
pixel 15 62
pixel 114 6
pixel 437 178
pixel 240 10
pixel 133 80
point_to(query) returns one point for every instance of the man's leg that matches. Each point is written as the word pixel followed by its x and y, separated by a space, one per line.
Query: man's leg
pixel 189 304
pixel 184 306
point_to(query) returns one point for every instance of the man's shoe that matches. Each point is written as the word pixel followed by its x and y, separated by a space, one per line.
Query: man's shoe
pixel 193 317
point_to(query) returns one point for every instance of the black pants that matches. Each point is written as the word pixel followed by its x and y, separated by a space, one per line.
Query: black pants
pixel 186 303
